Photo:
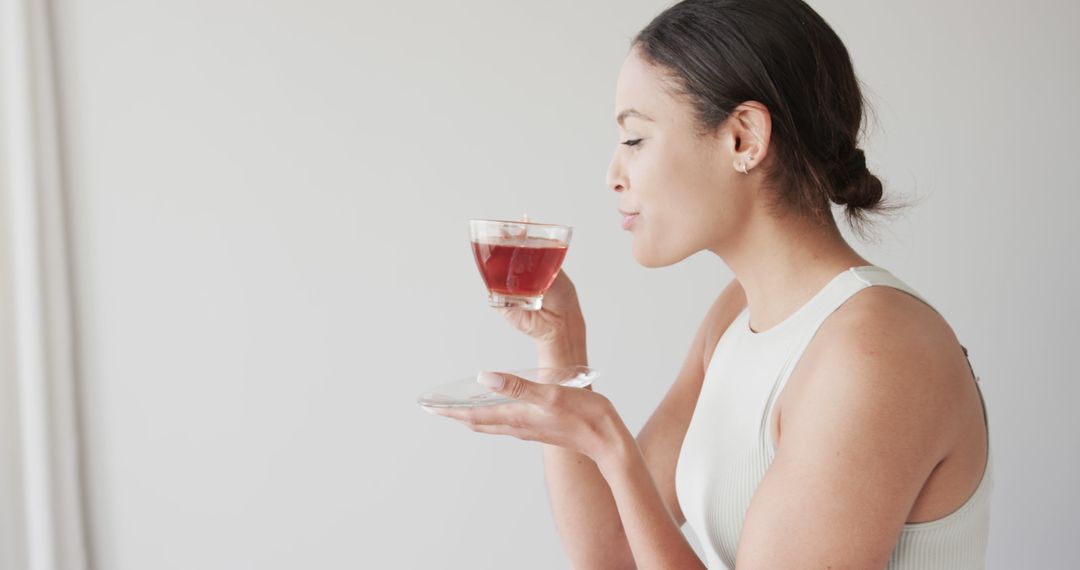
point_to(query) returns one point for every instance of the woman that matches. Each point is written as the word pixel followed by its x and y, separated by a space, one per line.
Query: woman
pixel 825 416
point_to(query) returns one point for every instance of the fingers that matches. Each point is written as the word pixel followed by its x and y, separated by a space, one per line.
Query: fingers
pixel 485 415
pixel 515 387
pixel 499 430
pixel 487 419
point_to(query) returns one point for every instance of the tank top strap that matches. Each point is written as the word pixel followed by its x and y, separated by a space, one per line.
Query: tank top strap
pixel 873 275
pixel 848 283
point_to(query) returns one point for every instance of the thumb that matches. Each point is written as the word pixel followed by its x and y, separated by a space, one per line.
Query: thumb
pixel 510 386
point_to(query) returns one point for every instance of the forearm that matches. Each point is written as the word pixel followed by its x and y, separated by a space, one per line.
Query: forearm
pixel 610 513
pixel 654 538
pixel 584 511
pixel 582 506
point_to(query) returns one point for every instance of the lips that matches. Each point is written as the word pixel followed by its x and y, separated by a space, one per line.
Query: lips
pixel 628 218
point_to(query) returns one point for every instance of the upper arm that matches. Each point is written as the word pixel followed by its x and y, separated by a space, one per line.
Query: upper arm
pixel 661 437
pixel 869 427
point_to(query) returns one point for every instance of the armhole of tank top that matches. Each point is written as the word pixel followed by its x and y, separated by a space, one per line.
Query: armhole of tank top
pixel 986 481
pixel 788 368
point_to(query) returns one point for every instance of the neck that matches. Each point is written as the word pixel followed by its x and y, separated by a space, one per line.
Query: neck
pixel 782 263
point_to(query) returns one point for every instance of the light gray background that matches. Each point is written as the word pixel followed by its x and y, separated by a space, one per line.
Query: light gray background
pixel 269 204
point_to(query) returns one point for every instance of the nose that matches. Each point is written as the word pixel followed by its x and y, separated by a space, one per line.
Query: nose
pixel 616 178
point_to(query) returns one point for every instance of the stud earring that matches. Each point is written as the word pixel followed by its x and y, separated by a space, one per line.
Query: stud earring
pixel 740 167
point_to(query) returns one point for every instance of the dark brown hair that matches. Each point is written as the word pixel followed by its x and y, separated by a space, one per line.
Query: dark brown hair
pixel 782 54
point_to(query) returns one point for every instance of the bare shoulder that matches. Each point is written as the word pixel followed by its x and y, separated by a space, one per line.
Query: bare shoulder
pixel 889 353
pixel 884 326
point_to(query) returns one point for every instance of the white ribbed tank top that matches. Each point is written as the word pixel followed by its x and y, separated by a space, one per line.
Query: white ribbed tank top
pixel 728 445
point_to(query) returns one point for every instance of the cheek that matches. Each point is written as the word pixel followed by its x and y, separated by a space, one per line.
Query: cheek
pixel 687 203
pixel 670 228
pixel 692 193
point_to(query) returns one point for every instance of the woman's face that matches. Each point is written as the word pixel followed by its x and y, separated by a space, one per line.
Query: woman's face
pixel 681 184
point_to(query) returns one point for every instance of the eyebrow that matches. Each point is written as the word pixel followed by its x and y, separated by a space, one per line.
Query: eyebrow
pixel 631 113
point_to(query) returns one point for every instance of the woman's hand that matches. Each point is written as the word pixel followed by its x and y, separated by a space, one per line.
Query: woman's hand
pixel 558 327
pixel 571 418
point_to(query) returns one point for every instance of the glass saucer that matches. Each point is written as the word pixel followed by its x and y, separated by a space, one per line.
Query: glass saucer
pixel 467 393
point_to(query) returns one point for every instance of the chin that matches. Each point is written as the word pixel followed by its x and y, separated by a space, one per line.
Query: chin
pixel 653 257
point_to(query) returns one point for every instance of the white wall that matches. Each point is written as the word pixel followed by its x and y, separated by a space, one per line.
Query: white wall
pixel 269 204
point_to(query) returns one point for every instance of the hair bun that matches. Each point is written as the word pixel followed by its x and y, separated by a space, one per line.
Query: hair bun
pixel 855 187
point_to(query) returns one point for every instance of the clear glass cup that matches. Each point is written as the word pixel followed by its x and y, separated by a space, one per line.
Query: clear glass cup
pixel 518 260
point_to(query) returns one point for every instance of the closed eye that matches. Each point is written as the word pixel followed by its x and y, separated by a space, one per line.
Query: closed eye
pixel 632 142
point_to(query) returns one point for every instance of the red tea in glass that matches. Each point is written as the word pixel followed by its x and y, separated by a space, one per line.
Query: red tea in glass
pixel 518 260
pixel 526 270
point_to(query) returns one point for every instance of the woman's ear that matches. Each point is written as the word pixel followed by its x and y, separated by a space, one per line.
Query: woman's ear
pixel 751 129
